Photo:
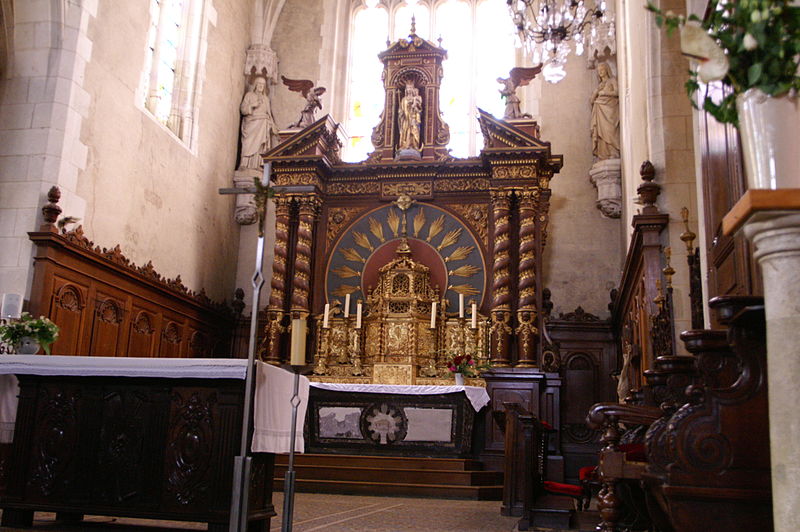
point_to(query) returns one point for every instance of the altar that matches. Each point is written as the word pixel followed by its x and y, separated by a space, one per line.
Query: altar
pixel 393 420
pixel 140 437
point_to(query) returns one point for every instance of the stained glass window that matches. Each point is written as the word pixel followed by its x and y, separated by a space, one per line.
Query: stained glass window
pixel 479 39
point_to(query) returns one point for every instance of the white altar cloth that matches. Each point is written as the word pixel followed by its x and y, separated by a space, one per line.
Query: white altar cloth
pixel 271 413
pixel 477 396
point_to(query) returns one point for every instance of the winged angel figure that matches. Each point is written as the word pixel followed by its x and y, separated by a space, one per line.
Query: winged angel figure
pixel 311 94
pixel 517 77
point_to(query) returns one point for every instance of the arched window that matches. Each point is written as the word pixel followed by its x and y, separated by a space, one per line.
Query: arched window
pixel 479 38
pixel 170 78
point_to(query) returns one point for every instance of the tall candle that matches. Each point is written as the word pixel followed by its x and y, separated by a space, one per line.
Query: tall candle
pixel 358 314
pixel 298 353
pixel 347 305
pixel 474 323
pixel 460 305
pixel 433 315
pixel 325 317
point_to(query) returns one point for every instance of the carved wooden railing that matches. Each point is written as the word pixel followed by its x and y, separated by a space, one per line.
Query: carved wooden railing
pixel 635 304
pixel 709 463
pixel 106 305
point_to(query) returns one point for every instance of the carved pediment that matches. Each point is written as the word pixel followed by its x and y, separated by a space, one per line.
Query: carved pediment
pixel 319 140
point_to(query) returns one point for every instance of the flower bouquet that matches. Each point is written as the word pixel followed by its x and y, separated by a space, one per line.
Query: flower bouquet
pixel 746 44
pixel 466 365
pixel 41 330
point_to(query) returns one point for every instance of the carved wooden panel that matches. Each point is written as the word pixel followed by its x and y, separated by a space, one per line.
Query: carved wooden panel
pixel 105 305
pixel 67 307
pixel 731 269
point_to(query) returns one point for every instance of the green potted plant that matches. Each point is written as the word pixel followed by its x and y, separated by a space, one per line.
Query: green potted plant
pixel 27 334
pixel 752 47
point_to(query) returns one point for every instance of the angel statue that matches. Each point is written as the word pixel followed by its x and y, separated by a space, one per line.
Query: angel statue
pixel 517 77
pixel 311 94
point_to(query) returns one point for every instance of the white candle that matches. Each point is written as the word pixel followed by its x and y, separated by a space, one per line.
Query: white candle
pixel 347 305
pixel 460 305
pixel 298 353
pixel 325 317
pixel 433 315
pixel 474 324
pixel 358 314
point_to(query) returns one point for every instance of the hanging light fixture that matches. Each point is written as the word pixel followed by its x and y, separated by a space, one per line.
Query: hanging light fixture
pixel 550 29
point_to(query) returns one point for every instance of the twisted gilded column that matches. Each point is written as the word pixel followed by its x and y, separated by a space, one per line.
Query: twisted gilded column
pixel 527 333
pixel 308 207
pixel 273 329
pixel 500 330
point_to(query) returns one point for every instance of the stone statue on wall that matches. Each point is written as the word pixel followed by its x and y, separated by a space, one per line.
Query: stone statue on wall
pixel 517 77
pixel 605 115
pixel 313 102
pixel 258 125
pixel 409 118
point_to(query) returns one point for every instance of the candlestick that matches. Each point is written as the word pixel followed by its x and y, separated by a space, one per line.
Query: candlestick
pixel 474 323
pixel 298 349
pixel 433 315
pixel 358 314
pixel 347 305
pixel 325 317
pixel 460 305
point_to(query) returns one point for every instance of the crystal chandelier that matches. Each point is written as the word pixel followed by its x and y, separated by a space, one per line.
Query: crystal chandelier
pixel 550 29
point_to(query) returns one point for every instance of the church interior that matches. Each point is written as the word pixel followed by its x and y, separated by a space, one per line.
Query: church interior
pixel 495 264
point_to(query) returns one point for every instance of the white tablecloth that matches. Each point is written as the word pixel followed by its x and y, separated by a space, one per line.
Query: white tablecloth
pixel 477 396
pixel 271 413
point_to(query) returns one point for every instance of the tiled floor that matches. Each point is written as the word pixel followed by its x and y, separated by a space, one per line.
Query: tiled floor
pixel 339 513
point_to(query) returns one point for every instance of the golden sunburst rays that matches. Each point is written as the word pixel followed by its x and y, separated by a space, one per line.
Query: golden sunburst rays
pixel 419 222
pixel 468 270
pixel 460 253
pixel 466 289
pixel 352 254
pixel 344 289
pixel 436 227
pixel 346 272
pixel 394 222
pixel 376 228
pixel 449 239
pixel 362 240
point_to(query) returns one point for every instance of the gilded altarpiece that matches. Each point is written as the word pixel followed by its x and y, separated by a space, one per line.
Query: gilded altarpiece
pixel 408 235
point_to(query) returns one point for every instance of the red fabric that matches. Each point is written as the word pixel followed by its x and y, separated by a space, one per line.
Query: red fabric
pixel 634 452
pixel 563 489
pixel 546 425
pixel 587 472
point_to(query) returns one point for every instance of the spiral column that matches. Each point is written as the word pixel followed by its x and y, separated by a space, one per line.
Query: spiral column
pixel 308 208
pixel 500 329
pixel 275 309
pixel 526 331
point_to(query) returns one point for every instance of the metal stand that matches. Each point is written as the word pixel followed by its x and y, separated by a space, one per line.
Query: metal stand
pixel 288 481
pixel 241 465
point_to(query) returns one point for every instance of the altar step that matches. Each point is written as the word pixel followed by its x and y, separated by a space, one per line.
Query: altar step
pixel 453 478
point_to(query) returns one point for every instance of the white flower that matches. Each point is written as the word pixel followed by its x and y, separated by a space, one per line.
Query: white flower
pixel 750 42
pixel 698 44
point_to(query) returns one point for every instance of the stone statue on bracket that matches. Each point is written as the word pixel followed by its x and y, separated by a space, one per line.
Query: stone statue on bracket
pixel 258 126
pixel 409 118
pixel 606 172
pixel 313 102
pixel 517 77
pixel 605 115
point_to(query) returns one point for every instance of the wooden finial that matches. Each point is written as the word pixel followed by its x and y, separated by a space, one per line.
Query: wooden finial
pixel 413 24
pixel 668 270
pixel 51 210
pixel 687 236
pixel 648 191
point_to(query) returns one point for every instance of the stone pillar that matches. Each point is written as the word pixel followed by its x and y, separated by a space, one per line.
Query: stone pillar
pixel 776 236
pixel 500 330
pixel 527 333
pixel 606 175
